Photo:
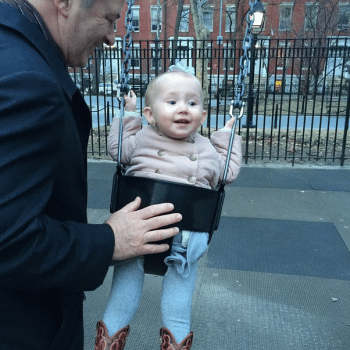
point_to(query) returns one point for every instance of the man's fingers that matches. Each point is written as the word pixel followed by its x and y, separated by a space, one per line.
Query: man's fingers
pixel 132 206
pixel 150 211
pixel 155 210
pixel 155 236
pixel 155 248
pixel 158 222
pixel 159 235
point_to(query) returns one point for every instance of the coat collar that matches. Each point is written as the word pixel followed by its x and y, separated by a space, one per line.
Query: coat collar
pixel 12 18
pixel 189 139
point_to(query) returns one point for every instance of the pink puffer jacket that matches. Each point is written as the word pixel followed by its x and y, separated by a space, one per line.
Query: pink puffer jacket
pixel 196 160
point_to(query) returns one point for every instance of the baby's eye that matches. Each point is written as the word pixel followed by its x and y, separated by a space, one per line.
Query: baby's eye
pixel 172 102
pixel 192 103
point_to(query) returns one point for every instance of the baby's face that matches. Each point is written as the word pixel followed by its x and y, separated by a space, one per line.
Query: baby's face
pixel 177 107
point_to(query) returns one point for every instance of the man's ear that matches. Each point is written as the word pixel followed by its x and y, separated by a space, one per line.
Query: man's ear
pixel 62 7
pixel 147 112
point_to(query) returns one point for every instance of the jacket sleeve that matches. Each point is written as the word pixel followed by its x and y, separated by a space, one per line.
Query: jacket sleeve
pixel 220 140
pixel 38 252
pixel 131 125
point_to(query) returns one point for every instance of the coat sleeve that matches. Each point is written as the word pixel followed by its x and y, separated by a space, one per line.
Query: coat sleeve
pixel 38 252
pixel 131 125
pixel 220 140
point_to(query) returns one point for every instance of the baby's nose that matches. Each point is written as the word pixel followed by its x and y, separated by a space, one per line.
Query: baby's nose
pixel 183 105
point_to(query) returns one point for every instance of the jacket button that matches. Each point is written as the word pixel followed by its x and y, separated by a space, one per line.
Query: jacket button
pixel 192 179
pixel 193 157
pixel 161 153
pixel 158 171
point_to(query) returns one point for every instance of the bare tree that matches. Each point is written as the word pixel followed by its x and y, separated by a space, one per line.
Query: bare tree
pixel 180 7
pixel 321 26
pixel 202 35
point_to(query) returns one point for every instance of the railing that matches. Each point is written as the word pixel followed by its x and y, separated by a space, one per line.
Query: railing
pixel 298 107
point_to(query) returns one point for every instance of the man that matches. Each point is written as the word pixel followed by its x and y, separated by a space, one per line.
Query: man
pixel 49 255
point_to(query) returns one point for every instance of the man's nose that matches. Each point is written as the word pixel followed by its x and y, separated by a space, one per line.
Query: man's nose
pixel 110 37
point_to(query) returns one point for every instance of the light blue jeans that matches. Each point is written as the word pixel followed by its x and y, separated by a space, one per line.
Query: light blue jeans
pixel 177 290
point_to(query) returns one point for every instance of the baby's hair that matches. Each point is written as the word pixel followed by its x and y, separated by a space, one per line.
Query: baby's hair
pixel 152 84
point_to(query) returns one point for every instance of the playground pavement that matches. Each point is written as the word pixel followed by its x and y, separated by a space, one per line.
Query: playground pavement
pixel 277 272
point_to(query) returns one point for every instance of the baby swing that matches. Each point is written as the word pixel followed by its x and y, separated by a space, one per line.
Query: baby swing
pixel 201 213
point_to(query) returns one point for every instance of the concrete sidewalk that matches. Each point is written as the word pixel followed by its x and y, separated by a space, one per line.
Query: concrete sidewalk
pixel 276 275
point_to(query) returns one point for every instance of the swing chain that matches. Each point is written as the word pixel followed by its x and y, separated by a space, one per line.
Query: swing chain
pixel 127 43
pixel 244 61
pixel 123 86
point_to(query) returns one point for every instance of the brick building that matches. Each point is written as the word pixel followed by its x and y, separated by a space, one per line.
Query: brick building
pixel 319 24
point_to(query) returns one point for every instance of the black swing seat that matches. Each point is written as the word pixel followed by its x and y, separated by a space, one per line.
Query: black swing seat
pixel 200 207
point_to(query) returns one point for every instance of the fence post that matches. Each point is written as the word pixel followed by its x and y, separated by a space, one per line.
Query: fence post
pixel 251 93
pixel 346 128
pixel 107 118
pixel 275 117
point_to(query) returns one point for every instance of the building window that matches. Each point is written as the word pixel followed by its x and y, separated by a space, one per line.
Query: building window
pixel 156 57
pixel 229 55
pixel 135 57
pixel 283 55
pixel 311 13
pixel 155 21
pixel 344 13
pixel 286 12
pixel 208 18
pixel 185 19
pixel 136 18
pixel 230 24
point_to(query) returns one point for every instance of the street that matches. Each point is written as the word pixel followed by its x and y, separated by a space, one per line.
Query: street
pixel 99 116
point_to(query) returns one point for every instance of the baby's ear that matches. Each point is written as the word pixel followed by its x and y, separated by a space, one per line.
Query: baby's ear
pixel 204 116
pixel 147 111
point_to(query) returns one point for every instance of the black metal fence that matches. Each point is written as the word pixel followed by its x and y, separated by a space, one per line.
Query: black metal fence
pixel 298 99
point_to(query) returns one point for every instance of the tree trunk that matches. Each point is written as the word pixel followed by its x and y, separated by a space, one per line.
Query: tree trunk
pixel 202 35
pixel 180 7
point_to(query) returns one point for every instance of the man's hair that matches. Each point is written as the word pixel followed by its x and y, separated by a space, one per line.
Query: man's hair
pixel 151 86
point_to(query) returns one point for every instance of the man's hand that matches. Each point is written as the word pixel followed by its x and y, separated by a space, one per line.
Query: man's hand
pixel 134 229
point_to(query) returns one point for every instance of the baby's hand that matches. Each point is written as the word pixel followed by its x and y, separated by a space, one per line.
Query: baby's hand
pixel 229 123
pixel 130 101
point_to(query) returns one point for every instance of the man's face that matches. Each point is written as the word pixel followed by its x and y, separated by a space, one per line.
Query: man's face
pixel 87 28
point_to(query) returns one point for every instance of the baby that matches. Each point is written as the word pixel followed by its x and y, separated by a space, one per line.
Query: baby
pixel 169 148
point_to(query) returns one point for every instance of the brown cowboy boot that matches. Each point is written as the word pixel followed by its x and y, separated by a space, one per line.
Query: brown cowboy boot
pixel 105 342
pixel 168 341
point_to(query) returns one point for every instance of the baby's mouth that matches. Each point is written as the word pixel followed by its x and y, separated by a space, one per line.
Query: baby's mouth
pixel 182 121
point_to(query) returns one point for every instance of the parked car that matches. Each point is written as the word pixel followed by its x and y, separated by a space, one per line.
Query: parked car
pixel 108 89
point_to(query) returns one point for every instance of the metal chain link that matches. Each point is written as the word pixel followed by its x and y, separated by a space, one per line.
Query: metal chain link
pixel 244 60
pixel 123 86
pixel 127 43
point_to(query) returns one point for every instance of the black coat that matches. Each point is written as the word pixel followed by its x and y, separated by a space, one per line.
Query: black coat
pixel 48 254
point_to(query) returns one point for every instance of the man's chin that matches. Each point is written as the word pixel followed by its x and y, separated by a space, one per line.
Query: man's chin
pixel 78 63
